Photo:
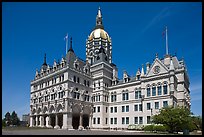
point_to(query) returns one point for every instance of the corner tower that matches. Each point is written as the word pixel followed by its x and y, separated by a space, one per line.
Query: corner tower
pixel 97 38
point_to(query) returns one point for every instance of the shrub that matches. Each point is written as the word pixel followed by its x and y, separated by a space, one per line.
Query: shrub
pixel 160 128
pixel 149 128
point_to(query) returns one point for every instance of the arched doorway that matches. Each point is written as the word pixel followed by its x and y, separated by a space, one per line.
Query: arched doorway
pixel 75 121
pixel 60 120
pixel 52 118
pixel 85 120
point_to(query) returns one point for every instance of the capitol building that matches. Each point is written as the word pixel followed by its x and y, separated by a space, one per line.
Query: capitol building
pixel 75 93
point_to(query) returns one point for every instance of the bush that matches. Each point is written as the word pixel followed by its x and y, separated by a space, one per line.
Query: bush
pixel 149 128
pixel 160 128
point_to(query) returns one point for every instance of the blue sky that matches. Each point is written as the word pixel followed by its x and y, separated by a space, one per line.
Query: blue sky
pixel 31 29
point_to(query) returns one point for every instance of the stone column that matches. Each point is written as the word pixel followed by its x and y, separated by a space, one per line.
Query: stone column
pixel 31 121
pixel 64 126
pixel 56 122
pixel 48 122
pixel 90 120
pixel 69 120
pixel 36 119
pixel 81 121
pixel 41 121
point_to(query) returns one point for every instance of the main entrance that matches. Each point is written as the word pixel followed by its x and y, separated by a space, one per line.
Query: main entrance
pixel 75 121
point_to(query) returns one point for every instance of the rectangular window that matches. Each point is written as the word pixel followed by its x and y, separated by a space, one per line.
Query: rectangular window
pixel 98 109
pixel 165 89
pixel 136 107
pixel 148 92
pixel 140 95
pixel 123 120
pixel 106 109
pixel 148 106
pixel 136 120
pixel 153 91
pixel 115 109
pixel 156 105
pixel 165 103
pixel 140 107
pixel 159 90
pixel 94 120
pixel 94 109
pixel 112 98
pixel 140 120
pixel 123 108
pixel 111 120
pixel 127 120
pixel 148 120
pixel 136 94
pixel 125 96
pixel 98 120
pixel 127 108
pixel 111 109
pixel 106 120
pixel 115 120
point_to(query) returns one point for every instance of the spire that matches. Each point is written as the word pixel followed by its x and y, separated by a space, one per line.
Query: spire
pixel 45 60
pixel 99 23
pixel 142 71
pixel 70 48
pixel 99 12
pixel 171 65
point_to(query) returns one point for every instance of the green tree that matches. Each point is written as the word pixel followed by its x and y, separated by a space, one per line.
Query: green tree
pixel 176 119
pixel 8 119
pixel 14 119
pixel 3 122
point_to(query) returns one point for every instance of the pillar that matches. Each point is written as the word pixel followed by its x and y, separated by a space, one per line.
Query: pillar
pixel 64 126
pixel 90 120
pixel 69 120
pixel 56 122
pixel 31 121
pixel 41 121
pixel 81 121
pixel 36 119
pixel 48 122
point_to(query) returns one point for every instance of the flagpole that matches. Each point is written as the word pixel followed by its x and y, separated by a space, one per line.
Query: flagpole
pixel 166 42
pixel 66 38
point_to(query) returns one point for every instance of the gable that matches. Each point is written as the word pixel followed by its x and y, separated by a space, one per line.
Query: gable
pixel 157 68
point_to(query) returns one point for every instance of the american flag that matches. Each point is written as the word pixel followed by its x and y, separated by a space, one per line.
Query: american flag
pixel 66 37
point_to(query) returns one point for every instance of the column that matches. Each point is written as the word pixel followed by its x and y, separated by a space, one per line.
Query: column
pixel 64 126
pixel 90 120
pixel 69 120
pixel 31 121
pixel 81 121
pixel 48 122
pixel 36 119
pixel 56 122
pixel 41 121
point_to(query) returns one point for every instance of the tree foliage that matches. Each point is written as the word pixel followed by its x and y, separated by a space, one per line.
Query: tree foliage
pixel 11 119
pixel 176 119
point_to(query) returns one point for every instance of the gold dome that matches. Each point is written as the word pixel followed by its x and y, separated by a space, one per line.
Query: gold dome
pixel 97 33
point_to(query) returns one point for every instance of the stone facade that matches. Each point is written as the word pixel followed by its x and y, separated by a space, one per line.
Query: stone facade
pixel 76 94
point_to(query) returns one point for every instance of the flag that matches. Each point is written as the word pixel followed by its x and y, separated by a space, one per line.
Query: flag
pixel 66 37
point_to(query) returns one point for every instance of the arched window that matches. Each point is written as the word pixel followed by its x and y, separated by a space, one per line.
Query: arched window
pixel 74 78
pixel 159 90
pixel 153 90
pixel 148 91
pixel 165 89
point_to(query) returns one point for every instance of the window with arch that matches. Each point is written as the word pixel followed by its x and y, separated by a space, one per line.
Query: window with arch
pixel 153 90
pixel 165 89
pixel 148 91
pixel 74 79
pixel 159 90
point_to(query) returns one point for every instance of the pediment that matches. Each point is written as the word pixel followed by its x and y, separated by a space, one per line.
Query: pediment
pixel 157 68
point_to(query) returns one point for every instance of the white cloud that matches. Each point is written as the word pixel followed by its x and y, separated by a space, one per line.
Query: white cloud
pixel 165 12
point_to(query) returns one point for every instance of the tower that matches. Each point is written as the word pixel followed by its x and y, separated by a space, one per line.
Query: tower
pixel 97 38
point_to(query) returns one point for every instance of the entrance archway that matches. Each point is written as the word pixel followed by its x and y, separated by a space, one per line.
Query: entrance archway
pixel 52 118
pixel 85 120
pixel 60 120
pixel 75 121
